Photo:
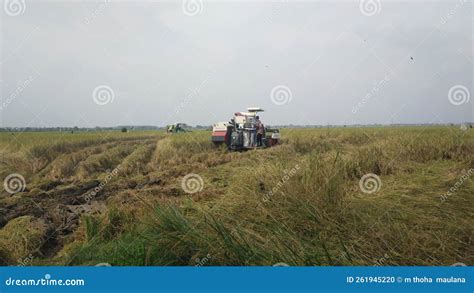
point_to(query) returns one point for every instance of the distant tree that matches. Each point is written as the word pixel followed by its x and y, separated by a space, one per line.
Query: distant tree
pixel 124 129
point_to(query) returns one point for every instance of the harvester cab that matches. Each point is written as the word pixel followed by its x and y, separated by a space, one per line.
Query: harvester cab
pixel 240 133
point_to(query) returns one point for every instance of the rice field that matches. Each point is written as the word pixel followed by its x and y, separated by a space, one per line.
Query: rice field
pixel 325 196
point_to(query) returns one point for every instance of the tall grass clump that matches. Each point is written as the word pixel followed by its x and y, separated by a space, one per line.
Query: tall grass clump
pixel 372 159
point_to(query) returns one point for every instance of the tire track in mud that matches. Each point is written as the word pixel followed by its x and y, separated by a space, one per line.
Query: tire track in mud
pixel 91 197
pixel 61 203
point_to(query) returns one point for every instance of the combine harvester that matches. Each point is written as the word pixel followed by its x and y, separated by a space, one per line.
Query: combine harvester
pixel 241 133
pixel 176 128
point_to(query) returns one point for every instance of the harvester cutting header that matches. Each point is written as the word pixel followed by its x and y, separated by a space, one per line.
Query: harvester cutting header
pixel 245 131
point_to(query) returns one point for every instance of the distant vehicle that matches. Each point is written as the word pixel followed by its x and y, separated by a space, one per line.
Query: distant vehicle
pixel 240 133
pixel 176 128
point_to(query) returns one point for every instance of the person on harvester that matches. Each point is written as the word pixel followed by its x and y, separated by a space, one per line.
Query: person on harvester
pixel 260 130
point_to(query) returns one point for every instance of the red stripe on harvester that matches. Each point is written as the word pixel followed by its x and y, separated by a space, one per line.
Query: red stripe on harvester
pixel 219 133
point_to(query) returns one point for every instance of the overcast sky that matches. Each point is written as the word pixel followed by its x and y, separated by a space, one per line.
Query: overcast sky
pixel 153 63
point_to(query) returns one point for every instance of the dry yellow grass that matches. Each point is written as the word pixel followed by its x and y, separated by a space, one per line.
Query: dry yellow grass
pixel 299 203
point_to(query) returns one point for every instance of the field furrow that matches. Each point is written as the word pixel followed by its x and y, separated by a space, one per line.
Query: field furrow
pixel 102 162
